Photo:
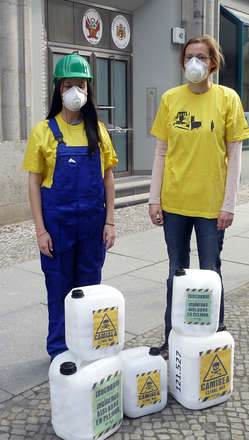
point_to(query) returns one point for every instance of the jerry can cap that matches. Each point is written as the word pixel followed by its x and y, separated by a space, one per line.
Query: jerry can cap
pixel 77 293
pixel 180 272
pixel 154 351
pixel 68 368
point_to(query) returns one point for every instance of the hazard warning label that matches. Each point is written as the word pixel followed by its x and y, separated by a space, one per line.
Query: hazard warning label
pixel 105 327
pixel 215 373
pixel 198 306
pixel 107 404
pixel 148 388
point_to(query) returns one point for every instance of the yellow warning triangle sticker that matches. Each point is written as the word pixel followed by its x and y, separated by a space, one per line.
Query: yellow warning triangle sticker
pixel 215 373
pixel 215 370
pixel 106 325
pixel 149 386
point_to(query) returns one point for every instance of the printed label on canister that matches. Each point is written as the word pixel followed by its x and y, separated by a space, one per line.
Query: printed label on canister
pixel 107 404
pixel 148 388
pixel 215 373
pixel 105 327
pixel 198 306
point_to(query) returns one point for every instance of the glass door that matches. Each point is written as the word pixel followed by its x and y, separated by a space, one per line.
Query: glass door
pixel 112 93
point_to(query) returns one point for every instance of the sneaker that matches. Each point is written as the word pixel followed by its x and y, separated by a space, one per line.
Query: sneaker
pixel 164 347
pixel 222 327
pixel 164 350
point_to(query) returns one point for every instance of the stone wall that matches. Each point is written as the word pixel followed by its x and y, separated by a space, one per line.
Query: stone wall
pixel 15 106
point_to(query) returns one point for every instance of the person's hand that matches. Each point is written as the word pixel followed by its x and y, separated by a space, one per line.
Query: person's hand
pixel 45 244
pixel 156 214
pixel 109 236
pixel 225 219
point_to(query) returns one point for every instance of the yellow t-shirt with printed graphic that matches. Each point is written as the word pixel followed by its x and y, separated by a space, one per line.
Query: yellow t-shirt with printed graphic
pixel 40 155
pixel 197 128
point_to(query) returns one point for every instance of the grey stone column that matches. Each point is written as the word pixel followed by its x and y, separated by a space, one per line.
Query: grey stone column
pixel 209 17
pixel 192 17
pixel 9 70
pixel 24 50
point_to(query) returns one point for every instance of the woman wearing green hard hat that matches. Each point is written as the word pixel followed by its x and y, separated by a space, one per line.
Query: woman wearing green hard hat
pixel 70 158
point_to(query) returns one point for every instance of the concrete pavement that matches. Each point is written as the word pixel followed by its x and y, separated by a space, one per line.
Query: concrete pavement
pixel 138 267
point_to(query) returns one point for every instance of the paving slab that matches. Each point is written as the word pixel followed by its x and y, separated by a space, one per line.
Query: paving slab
pixel 143 302
pixel 236 249
pixel 4 396
pixel 146 246
pixel 243 234
pixel 118 265
pixel 19 289
pixel 20 376
pixel 23 334
pixel 33 266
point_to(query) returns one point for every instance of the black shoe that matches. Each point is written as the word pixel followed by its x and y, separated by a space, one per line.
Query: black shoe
pixel 164 350
pixel 164 347
pixel 222 327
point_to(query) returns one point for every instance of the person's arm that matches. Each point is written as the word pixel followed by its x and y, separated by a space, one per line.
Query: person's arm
pixel 109 228
pixel 155 210
pixel 226 214
pixel 43 238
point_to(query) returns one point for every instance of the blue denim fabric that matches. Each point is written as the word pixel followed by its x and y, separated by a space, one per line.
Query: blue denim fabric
pixel 177 232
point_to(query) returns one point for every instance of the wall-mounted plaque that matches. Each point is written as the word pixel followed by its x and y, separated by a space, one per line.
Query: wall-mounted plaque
pixel 92 26
pixel 121 33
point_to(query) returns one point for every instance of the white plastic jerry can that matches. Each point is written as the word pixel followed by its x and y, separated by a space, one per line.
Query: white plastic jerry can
pixel 144 381
pixel 94 322
pixel 201 369
pixel 86 398
pixel 196 302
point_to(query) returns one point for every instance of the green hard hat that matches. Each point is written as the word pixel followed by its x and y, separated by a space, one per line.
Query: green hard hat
pixel 72 66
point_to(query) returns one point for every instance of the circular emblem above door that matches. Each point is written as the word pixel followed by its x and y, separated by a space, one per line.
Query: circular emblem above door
pixel 121 31
pixel 92 26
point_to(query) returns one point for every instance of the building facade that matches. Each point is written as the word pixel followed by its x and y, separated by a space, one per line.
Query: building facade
pixel 133 47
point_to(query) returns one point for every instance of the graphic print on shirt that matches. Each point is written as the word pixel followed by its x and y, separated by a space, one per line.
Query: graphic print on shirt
pixel 186 121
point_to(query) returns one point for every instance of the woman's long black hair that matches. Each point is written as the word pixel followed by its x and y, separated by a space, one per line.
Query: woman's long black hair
pixel 88 113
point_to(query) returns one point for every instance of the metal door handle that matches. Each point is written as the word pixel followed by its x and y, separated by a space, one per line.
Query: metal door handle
pixel 105 107
pixel 119 130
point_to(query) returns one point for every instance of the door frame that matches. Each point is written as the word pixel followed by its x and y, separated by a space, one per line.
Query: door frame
pixel 120 57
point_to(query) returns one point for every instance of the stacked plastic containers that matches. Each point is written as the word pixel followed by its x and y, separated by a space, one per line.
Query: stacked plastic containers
pixel 85 381
pixel 200 358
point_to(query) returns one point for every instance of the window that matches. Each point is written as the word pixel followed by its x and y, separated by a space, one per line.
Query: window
pixel 234 40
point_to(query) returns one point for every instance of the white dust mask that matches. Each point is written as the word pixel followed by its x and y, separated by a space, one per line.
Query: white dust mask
pixel 74 98
pixel 195 70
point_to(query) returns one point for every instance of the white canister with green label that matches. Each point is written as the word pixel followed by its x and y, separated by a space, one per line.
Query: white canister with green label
pixel 86 398
pixel 196 302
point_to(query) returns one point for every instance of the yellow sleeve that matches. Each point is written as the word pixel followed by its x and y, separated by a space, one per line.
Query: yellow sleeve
pixel 236 124
pixel 159 128
pixel 109 158
pixel 33 158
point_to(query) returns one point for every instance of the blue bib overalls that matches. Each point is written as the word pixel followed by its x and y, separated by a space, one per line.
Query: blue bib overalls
pixel 74 215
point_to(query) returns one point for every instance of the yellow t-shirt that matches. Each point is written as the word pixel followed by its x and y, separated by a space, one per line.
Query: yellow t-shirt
pixel 40 155
pixel 197 128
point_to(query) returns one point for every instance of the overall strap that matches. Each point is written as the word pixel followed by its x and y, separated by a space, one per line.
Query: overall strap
pixel 54 127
